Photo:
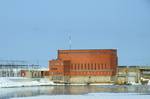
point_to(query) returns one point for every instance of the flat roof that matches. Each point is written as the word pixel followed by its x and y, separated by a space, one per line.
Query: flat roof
pixel 80 51
pixel 84 49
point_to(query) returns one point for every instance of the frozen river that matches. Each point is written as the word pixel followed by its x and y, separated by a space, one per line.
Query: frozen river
pixel 7 93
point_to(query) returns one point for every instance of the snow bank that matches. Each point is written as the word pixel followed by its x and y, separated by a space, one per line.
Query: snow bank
pixel 92 96
pixel 20 82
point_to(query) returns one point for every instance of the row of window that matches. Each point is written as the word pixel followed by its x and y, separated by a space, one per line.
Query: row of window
pixel 95 73
pixel 84 73
pixel 89 66
pixel 56 73
pixel 53 68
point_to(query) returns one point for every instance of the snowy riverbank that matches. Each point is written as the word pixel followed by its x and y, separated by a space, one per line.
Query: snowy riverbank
pixel 6 82
pixel 93 96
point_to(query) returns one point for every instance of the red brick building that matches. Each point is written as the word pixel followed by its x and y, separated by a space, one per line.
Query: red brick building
pixel 83 66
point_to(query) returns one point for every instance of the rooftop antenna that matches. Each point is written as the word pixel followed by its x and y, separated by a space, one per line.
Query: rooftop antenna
pixel 69 41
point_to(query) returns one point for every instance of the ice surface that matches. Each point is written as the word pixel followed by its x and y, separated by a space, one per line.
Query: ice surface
pixel 92 96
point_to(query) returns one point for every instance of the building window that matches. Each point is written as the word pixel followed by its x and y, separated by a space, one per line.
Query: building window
pixel 85 66
pixel 78 67
pixel 98 66
pixel 74 66
pixel 95 66
pixel 81 66
pixel 105 66
pixel 91 66
pixel 88 66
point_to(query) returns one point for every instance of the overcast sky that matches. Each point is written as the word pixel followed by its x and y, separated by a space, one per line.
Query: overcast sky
pixel 35 29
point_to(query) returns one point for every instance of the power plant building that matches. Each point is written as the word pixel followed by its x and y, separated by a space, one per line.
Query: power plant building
pixel 84 66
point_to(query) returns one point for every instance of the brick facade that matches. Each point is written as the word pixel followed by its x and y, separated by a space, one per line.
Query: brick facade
pixel 84 63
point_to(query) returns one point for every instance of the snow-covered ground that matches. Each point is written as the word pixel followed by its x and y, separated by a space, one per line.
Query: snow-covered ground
pixel 92 96
pixel 148 82
pixel 6 82
pixel 20 82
